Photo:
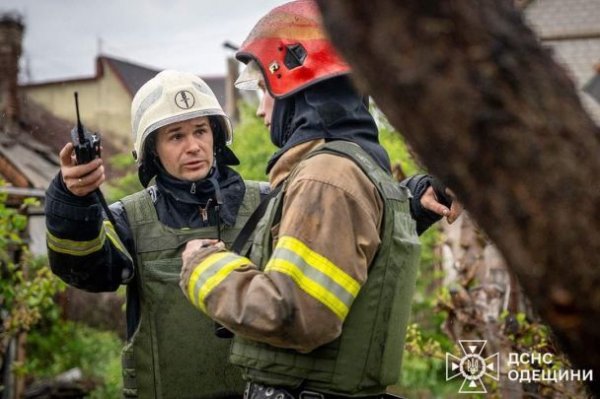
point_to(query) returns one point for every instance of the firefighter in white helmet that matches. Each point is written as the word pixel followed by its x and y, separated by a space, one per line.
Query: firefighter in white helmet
pixel 181 135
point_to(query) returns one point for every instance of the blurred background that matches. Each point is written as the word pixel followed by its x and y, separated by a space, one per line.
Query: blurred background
pixel 63 37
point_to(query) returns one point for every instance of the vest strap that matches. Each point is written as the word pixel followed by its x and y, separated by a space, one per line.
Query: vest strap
pixel 373 171
pixel 250 226
pixel 142 206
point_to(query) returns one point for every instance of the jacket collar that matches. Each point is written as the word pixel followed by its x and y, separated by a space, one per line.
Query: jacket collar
pixel 290 159
pixel 203 192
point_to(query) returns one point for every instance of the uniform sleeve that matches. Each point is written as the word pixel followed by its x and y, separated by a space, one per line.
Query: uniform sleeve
pixel 327 237
pixel 84 249
pixel 424 218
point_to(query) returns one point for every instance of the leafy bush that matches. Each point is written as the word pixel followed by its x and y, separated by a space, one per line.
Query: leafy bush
pixel 26 283
pixel 27 292
pixel 252 145
pixel 58 346
pixel 123 186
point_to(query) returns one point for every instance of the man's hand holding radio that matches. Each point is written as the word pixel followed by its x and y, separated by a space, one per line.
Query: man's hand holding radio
pixel 82 179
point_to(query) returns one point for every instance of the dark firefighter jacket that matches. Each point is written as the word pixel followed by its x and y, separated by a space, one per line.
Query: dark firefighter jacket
pixel 88 253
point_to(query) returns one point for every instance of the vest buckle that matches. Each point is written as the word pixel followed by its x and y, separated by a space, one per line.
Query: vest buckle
pixel 311 395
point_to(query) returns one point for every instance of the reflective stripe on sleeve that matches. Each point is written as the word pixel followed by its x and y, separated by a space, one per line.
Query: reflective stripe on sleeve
pixel 315 275
pixel 83 248
pixel 75 248
pixel 209 273
pixel 115 240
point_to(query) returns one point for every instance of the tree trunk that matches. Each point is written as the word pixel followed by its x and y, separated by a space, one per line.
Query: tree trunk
pixel 493 116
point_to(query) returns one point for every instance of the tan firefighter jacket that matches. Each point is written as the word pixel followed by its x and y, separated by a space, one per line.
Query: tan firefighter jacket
pixel 327 237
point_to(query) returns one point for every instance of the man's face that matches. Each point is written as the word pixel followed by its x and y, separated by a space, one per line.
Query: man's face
pixel 265 108
pixel 186 148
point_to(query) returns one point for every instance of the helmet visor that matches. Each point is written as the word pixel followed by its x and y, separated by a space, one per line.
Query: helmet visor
pixel 250 77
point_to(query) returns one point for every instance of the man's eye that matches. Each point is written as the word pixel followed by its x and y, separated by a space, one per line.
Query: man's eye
pixel 175 137
pixel 200 131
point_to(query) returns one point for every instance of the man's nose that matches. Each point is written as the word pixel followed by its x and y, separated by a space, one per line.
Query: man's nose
pixel 193 144
pixel 260 111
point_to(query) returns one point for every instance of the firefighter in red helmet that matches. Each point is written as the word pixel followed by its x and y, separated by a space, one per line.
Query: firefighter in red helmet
pixel 291 49
pixel 319 304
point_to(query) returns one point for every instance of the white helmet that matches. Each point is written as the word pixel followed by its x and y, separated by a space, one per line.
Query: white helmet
pixel 170 97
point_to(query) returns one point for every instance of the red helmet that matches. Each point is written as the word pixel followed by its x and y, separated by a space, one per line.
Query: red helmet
pixel 291 49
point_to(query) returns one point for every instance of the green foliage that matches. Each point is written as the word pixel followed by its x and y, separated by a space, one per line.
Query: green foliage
pixel 122 162
pixel 423 367
pixel 396 146
pixel 252 145
pixel 424 362
pixel 27 298
pixel 58 346
pixel 27 291
pixel 528 336
pixel 129 183
pixel 26 283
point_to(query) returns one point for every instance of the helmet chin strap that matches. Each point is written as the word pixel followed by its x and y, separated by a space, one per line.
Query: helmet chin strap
pixel 219 199
pixel 212 169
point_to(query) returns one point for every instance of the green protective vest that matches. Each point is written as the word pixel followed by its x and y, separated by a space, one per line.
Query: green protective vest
pixel 367 356
pixel 174 352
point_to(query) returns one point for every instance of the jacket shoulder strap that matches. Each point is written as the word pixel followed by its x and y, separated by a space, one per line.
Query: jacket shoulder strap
pixel 140 208
pixel 380 178
pixel 246 232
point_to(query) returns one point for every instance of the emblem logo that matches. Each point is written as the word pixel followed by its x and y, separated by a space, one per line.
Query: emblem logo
pixel 472 366
pixel 184 99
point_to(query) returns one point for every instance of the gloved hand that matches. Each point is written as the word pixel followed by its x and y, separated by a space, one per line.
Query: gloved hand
pixel 431 201
pixel 195 252
pixel 438 198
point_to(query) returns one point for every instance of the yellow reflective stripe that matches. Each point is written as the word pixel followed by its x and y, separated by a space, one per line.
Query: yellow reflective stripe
pixel 211 272
pixel 114 238
pixel 206 263
pixel 75 248
pixel 309 286
pixel 83 248
pixel 112 235
pixel 320 263
pixel 314 274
